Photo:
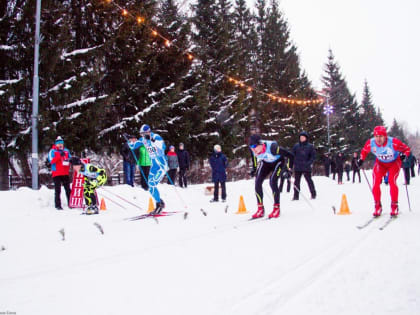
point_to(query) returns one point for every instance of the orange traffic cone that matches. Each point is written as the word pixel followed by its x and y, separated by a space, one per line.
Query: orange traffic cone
pixel 241 208
pixel 102 206
pixel 151 205
pixel 344 208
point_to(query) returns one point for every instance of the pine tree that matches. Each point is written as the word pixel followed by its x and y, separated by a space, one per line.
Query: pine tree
pixel 343 122
pixel 397 131
pixel 368 115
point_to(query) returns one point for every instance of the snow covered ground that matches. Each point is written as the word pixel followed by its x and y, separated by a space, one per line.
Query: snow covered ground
pixel 308 261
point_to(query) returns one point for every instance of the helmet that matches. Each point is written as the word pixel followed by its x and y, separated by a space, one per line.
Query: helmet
pixel 74 160
pixel 59 140
pixel 255 140
pixel 379 131
pixel 145 128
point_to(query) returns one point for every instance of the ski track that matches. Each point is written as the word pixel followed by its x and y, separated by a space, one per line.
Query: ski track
pixel 275 297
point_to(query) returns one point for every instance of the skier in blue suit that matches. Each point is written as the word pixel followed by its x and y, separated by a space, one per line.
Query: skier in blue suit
pixel 155 146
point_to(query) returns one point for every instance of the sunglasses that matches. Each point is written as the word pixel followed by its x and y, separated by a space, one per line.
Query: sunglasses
pixel 253 146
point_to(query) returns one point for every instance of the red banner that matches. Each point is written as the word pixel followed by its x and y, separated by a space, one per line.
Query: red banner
pixel 76 196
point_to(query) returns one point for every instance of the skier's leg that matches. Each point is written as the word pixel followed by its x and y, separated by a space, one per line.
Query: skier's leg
pixel 57 191
pixel 296 189
pixel 308 178
pixel 274 179
pixel 66 184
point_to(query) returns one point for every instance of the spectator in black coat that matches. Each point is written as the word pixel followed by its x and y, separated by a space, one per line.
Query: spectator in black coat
pixel 347 169
pixel 355 166
pixel 218 163
pixel 184 165
pixel 339 165
pixel 327 164
pixel 129 161
pixel 333 167
pixel 304 153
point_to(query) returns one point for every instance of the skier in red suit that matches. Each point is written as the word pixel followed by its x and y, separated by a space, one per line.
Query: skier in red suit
pixel 389 154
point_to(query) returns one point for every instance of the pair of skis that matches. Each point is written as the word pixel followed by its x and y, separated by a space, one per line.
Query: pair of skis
pixel 151 215
pixel 373 219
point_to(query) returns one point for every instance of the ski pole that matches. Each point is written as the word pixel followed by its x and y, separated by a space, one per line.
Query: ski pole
pixel 113 201
pixel 177 192
pixel 406 190
pixel 127 201
pixel 135 158
pixel 304 197
pixel 367 180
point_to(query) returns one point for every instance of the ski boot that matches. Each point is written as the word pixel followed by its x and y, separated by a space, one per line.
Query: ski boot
pixel 394 209
pixel 260 212
pixel 276 211
pixel 93 209
pixel 159 207
pixel 378 209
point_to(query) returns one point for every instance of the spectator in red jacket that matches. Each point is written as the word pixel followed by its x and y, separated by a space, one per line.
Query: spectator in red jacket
pixel 60 167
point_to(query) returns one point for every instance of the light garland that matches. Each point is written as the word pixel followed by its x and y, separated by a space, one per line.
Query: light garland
pixel 168 43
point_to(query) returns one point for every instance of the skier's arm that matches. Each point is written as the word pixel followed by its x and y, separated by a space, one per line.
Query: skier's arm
pixel 365 151
pixel 399 146
pixel 288 155
pixel 54 156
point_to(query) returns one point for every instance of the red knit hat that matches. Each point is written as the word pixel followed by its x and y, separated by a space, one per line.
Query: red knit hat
pixel 379 131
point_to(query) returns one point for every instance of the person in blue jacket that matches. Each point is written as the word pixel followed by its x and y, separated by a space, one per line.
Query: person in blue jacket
pixel 155 146
pixel 270 158
pixel 218 163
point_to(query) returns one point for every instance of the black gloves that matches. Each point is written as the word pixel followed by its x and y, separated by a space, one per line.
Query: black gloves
pixel 252 173
pixel 147 137
pixel 360 162
pixel 62 153
pixel 402 157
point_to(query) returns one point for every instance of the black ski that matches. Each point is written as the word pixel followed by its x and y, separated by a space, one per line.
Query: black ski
pixel 387 222
pixel 367 223
pixel 151 215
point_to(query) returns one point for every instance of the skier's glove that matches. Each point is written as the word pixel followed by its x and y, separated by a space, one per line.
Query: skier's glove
pixel 252 173
pixel 286 174
pixel 402 157
pixel 360 162
pixel 147 137
pixel 62 153
pixel 153 139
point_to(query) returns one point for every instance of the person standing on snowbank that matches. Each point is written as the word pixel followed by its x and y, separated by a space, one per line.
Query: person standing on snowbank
pixel 304 153
pixel 184 165
pixel 218 163
pixel 355 167
pixel 271 159
pixel 172 164
pixel 129 162
pixel 156 148
pixel 60 167
pixel 388 159
pixel 94 177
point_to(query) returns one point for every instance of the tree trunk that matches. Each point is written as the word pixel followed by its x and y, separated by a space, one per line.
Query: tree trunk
pixel 4 170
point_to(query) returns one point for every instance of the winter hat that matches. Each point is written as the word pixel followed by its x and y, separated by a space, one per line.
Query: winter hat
pixel 254 140
pixel 217 148
pixel 305 134
pixel 379 131
pixel 59 140
pixel 145 128
pixel 181 144
pixel 171 147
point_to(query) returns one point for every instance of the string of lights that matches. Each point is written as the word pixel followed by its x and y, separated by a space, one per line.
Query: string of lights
pixel 239 83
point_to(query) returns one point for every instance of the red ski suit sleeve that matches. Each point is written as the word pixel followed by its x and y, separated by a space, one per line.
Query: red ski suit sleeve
pixel 397 144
